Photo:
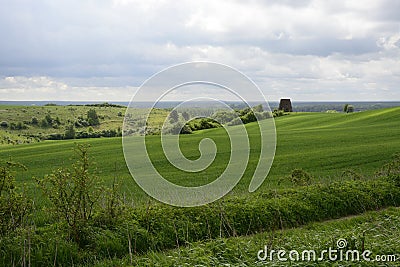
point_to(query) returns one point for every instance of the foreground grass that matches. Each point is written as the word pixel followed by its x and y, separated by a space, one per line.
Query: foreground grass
pixel 161 227
pixel 376 231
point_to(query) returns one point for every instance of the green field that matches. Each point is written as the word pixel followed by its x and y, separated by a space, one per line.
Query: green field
pixel 323 144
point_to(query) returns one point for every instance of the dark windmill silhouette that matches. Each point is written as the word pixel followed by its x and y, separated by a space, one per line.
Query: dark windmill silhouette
pixel 285 105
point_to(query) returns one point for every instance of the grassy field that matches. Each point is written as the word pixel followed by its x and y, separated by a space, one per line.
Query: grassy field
pixel 376 231
pixel 323 144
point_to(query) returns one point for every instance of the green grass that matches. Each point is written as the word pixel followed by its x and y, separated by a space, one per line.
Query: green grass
pixel 321 143
pixel 379 229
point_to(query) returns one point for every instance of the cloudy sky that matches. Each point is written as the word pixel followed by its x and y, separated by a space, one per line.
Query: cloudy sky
pixel 103 50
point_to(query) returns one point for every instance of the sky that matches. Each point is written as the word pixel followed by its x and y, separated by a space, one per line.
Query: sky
pixel 100 50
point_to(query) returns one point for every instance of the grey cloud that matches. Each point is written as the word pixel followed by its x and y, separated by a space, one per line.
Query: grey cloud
pixel 102 44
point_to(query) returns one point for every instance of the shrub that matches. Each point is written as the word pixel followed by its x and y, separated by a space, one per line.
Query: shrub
pixel 300 177
pixel 92 117
pixel 258 108
pixel 185 116
pixel 4 124
pixel 278 113
pixel 265 211
pixel 350 109
pixel 43 123
pixel 14 206
pixel 352 175
pixel 391 170
pixel 69 132
pixel 48 119
pixel 224 116
pixel 73 194
pixel 235 121
pixel 18 126
pixel 248 117
pixel 345 107
pixel 34 121
pixel 173 116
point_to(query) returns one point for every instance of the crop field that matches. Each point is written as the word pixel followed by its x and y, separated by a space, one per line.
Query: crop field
pixel 341 152
pixel 323 144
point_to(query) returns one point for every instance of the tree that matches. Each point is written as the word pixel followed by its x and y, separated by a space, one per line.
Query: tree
pixel 34 121
pixel 69 132
pixel 350 109
pixel 258 108
pixel 185 116
pixel 48 119
pixel 4 124
pixel 173 116
pixel 43 123
pixel 92 117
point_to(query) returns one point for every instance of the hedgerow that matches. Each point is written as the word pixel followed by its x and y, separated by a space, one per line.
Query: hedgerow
pixel 243 215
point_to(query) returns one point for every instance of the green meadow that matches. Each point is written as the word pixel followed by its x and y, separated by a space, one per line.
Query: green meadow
pixel 328 146
pixel 323 144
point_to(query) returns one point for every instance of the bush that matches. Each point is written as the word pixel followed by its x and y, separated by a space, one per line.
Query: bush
pixel 278 113
pixel 73 194
pixel 224 116
pixel 18 126
pixel 300 177
pixel 265 211
pixel 235 121
pixel 69 132
pixel 173 116
pixel 92 117
pixel 348 108
pixel 248 117
pixel 391 170
pixel 4 124
pixel 34 121
pixel 43 123
pixel 14 206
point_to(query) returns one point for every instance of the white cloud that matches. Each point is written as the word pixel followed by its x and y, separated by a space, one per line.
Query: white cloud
pixel 46 88
pixel 309 49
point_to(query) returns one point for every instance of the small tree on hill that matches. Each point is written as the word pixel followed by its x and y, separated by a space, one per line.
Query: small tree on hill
pixel 92 117
pixel 70 132
pixel 185 116
pixel 174 116
pixel 350 109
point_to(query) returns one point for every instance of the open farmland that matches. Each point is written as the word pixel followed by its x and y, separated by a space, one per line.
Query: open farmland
pixel 325 145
